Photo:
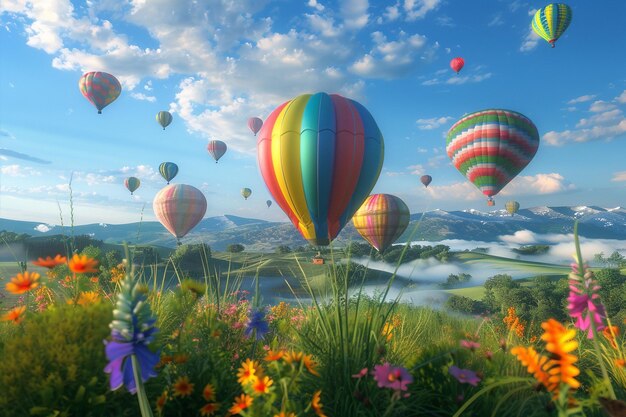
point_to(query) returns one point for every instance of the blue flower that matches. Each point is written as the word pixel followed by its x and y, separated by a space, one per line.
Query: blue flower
pixel 257 322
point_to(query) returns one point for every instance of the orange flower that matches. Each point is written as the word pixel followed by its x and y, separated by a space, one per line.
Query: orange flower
pixel 293 357
pixel 559 342
pixel 208 392
pixel 316 404
pixel 262 385
pixel 50 262
pixel 23 282
pixel 274 355
pixel 620 363
pixel 209 409
pixel 81 264
pixel 15 315
pixel 182 387
pixel 387 331
pixel 181 358
pixel 535 364
pixel 240 404
pixel 160 402
pixel 610 333
pixel 285 414
pixel 310 364
pixel 249 372
pixel 88 297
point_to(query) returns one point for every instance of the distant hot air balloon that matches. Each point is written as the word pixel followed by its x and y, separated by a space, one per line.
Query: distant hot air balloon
pixel 551 21
pixel 179 208
pixel 491 147
pixel 217 149
pixel 381 220
pixel 255 124
pixel 457 64
pixel 132 183
pixel 100 88
pixel 164 118
pixel 512 207
pixel 168 171
pixel 426 179
pixel 320 156
pixel 269 203
pixel 246 192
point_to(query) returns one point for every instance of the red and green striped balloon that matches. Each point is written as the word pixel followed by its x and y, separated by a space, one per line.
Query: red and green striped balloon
pixel 100 88
pixel 381 220
pixel 179 208
pixel 490 147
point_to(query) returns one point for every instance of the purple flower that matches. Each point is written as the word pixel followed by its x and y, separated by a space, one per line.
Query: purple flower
pixel 584 300
pixel 396 378
pixel 257 322
pixel 464 376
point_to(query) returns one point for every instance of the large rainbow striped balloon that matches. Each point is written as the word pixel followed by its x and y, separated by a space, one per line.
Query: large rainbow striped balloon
pixel 381 220
pixel 491 147
pixel 551 21
pixel 179 208
pixel 100 88
pixel 320 156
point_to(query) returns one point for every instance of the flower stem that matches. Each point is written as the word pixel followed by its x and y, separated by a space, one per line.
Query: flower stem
pixel 144 404
pixel 596 348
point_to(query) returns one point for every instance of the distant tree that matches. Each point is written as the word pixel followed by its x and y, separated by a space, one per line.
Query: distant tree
pixel 283 249
pixel 145 255
pixel 358 249
pixel 496 289
pixel 456 279
pixel 599 258
pixel 92 252
pixel 8 237
pixel 615 260
pixel 612 292
pixel 235 248
pixel 465 305
pixel 192 256
pixel 299 249
pixel 111 259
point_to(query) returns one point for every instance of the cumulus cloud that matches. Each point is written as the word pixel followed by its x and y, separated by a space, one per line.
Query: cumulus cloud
pixel 538 184
pixel 530 42
pixel 582 99
pixel 520 237
pixel 19 171
pixel 418 9
pixel 143 97
pixel 417 169
pixel 316 5
pixel 325 26
pixel 461 190
pixel 432 123
pixel 43 228
pixel 354 13
pixel 621 98
pixel 619 176
pixel 475 77
pixel 601 106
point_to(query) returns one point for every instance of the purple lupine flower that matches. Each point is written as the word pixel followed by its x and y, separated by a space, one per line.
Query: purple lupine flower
pixel 464 376
pixel 257 322
pixel 584 300
pixel 396 378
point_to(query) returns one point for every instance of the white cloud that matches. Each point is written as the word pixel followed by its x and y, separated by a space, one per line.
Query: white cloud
pixel 530 42
pixel 601 106
pixel 468 78
pixel 418 9
pixel 142 96
pixel 619 176
pixel 445 21
pixel 422 150
pixel 462 190
pixel 621 98
pixel 19 171
pixel 497 20
pixel 520 237
pixel 148 86
pixel 432 123
pixel 324 26
pixel 392 13
pixel 603 117
pixel 43 228
pixel 316 5
pixel 354 13
pixel 600 126
pixel 582 99
pixel 417 169
pixel 537 184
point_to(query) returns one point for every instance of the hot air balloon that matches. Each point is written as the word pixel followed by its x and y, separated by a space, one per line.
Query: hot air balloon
pixel 269 203
pixel 426 179
pixel 100 88
pixel 320 156
pixel 132 184
pixel 168 171
pixel 381 220
pixel 457 64
pixel 246 192
pixel 255 124
pixel 164 118
pixel 551 21
pixel 512 207
pixel 217 149
pixel 179 208
pixel 490 147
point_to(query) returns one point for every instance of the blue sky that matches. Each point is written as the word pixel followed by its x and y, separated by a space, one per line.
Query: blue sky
pixel 213 64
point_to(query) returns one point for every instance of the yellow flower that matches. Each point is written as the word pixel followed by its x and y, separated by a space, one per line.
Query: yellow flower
pixel 249 372
pixel 88 297
pixel 50 262
pixel 535 364
pixel 310 364
pixel 208 392
pixel 559 342
pixel 293 357
pixel 209 409
pixel 262 385
pixel 15 315
pixel 387 331
pixel 240 404
pixel 82 264
pixel 182 387
pixel 317 405
pixel 23 282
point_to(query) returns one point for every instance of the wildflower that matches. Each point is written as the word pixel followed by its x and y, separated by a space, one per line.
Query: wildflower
pixel 50 262
pixel 82 264
pixel 317 405
pixel 209 409
pixel 241 403
pixel 182 387
pixel 584 300
pixel 387 331
pixel 23 282
pixel 464 376
pixel 284 414
pixel 274 355
pixel 360 374
pixel 88 297
pixel 469 344
pixel 16 315
pixel 514 323
pixel 132 330
pixel 248 373
pixel 208 393
pixel 620 363
pixel 258 324
pixel 396 378
pixel 488 355
pixel 310 365
pixel 262 385
pixel 293 358
pixel 610 333
pixel 180 358
pixel 535 364
pixel 558 342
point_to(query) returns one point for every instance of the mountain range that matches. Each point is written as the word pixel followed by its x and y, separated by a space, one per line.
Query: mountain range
pixel 261 235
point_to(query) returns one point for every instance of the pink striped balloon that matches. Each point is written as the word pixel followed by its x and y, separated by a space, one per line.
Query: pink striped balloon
pixel 381 220
pixel 179 208
pixel 255 124
pixel 217 149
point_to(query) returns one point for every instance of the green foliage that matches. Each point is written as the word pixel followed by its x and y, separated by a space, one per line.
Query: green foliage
pixel 8 237
pixel 283 249
pixel 193 257
pixel 145 255
pixel 395 253
pixel 58 244
pixel 532 249
pixel 613 291
pixel 465 305
pixel 456 279
pixel 357 250
pixel 235 248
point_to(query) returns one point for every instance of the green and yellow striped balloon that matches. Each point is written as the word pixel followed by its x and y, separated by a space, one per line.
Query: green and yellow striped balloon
pixel 512 207
pixel 381 220
pixel 551 21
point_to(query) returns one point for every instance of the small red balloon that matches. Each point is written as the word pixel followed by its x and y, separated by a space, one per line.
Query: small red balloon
pixel 457 64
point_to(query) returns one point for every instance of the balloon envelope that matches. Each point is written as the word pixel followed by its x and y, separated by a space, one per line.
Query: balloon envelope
pixel 179 208
pixel 512 207
pixel 269 203
pixel 168 171
pixel 255 124
pixel 490 147
pixel 426 179
pixel 164 118
pixel 217 149
pixel 132 183
pixel 320 156
pixel 246 192
pixel 381 220
pixel 551 21
pixel 100 88
pixel 457 64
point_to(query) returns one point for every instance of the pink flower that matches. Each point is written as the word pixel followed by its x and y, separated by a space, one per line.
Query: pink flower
pixel 584 301
pixel 469 344
pixel 360 374
pixel 464 376
pixel 396 378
